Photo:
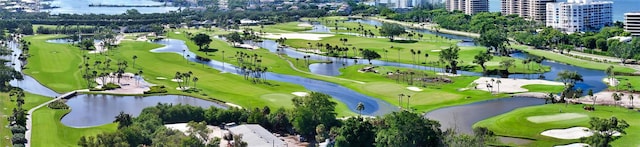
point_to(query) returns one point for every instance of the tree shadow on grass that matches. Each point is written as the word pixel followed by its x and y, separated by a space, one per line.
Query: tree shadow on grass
pixel 404 41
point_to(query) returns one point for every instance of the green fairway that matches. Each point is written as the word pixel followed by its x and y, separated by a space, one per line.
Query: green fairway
pixel 573 61
pixel 288 27
pixel 544 88
pixel 49 59
pixel 434 96
pixel 49 131
pixel 401 52
pixel 625 80
pixel 30 101
pixel 516 124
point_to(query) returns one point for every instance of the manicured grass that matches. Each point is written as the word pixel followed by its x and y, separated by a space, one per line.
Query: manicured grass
pixel 30 101
pixel 544 88
pixel 49 131
pixel 624 80
pixel 281 28
pixel 432 97
pixel 573 61
pixel 515 123
pixel 431 47
pixel 56 65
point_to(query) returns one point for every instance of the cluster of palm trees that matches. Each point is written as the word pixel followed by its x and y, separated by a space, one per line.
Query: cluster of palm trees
pixel 493 82
pixel 400 97
pixel 102 70
pixel 531 60
pixel 183 80
pixel 569 79
pixel 410 76
pixel 618 96
pixel 251 67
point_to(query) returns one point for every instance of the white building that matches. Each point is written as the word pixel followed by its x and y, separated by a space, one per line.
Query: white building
pixel 400 4
pixel 468 6
pixel 528 9
pixel 579 15
pixel 632 23
pixel 256 136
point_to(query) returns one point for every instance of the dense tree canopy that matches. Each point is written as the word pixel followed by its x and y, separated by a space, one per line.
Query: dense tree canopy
pixel 408 129
pixel 391 30
pixel 201 40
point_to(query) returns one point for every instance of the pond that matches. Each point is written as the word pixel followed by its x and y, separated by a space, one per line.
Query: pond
pixel 98 109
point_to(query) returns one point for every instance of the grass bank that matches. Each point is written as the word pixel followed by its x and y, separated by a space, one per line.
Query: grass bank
pixel 574 61
pixel 30 101
pixel 515 123
pixel 49 131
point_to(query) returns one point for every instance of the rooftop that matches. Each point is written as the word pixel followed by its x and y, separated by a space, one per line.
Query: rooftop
pixel 256 136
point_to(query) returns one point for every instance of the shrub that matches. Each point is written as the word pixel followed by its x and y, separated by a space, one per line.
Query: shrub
pixel 18 129
pixel 18 138
pixel 110 86
pixel 59 104
pixel 156 89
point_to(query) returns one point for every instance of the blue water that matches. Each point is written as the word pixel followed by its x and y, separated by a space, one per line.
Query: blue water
pixel 82 7
pixel 619 7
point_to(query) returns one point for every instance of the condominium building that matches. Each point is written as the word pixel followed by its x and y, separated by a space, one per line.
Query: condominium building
pixel 632 23
pixel 579 15
pixel 468 6
pixel 529 9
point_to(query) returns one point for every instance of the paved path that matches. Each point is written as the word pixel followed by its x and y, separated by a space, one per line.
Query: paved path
pixel 30 113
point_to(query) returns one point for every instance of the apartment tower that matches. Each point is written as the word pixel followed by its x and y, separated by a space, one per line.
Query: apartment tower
pixel 469 7
pixel 579 15
pixel 632 23
pixel 529 9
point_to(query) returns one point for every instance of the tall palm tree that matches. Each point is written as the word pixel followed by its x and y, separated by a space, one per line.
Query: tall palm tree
pixel 195 79
pixel 400 100
pixel 408 101
pixel 615 97
pixel 498 82
pixel 360 107
pixel 134 60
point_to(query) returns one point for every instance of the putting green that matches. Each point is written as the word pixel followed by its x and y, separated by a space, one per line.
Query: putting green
pixel 278 97
pixel 555 117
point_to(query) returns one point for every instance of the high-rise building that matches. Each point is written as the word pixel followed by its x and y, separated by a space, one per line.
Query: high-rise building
pixel 632 23
pixel 529 9
pixel 468 6
pixel 579 15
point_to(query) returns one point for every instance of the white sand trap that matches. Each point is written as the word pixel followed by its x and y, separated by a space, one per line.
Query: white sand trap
pixel 508 85
pixel 555 117
pixel 303 36
pixel 611 81
pixel 300 93
pixel 414 88
pixel 176 80
pixel 161 78
pixel 233 105
pixel 448 74
pixel 177 32
pixel 182 88
pixel 305 25
pixel 570 133
pixel 436 50
pixel 573 145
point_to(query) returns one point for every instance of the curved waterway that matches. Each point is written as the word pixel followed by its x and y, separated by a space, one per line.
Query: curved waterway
pixel 347 96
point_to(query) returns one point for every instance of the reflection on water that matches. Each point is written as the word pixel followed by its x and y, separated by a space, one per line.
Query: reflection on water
pixel 92 110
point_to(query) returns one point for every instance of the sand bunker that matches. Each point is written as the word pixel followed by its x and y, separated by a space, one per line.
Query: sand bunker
pixel 414 88
pixel 573 145
pixel 509 85
pixel 300 93
pixel 177 32
pixel 305 25
pixel 570 133
pixel 448 74
pixel 182 88
pixel 161 78
pixel 611 81
pixel 555 117
pixel 297 36
pixel 233 105
pixel 129 84
pixel 176 80
pixel 436 50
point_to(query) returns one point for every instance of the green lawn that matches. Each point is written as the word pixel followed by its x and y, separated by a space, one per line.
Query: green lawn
pixel 573 61
pixel 49 131
pixel 281 28
pixel 624 80
pixel 515 123
pixel 61 60
pixel 30 101
pixel 432 97
pixel 544 88
pixel 401 52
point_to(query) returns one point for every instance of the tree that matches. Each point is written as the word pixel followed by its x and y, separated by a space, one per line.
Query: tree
pixel 498 82
pixel 450 55
pixel 605 129
pixel 134 60
pixel 631 99
pixel 494 39
pixel 355 132
pixel 405 128
pixel 237 141
pixel 123 120
pixel 593 98
pixel 569 77
pixel 360 107
pixel 234 38
pixel 507 63
pixel 391 30
pixel 199 129
pixel 311 111
pixel 370 55
pixel 201 40
pixel 616 97
pixel 86 44
pixel 481 58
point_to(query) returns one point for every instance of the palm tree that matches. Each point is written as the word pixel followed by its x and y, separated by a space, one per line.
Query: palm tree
pixel 360 107
pixel 400 100
pixel 134 60
pixel 408 101
pixel 616 97
pixel 123 120
pixel 195 79
pixel 498 82
pixel 593 98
